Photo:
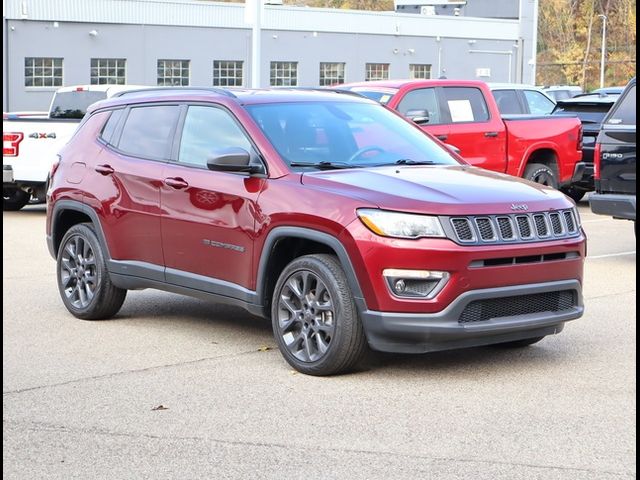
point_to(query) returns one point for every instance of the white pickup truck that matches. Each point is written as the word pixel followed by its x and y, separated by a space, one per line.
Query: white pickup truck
pixel 31 141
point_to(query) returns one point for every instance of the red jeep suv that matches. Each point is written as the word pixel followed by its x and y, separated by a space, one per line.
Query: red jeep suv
pixel 328 213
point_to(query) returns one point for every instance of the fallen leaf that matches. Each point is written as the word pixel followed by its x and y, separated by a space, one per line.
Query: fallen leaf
pixel 160 407
pixel 264 348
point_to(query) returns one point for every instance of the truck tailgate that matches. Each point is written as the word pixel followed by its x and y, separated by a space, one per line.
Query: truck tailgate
pixel 528 134
pixel 30 145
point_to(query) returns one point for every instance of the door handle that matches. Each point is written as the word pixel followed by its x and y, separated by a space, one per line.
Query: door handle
pixel 105 169
pixel 176 182
pixel 442 138
pixel 491 134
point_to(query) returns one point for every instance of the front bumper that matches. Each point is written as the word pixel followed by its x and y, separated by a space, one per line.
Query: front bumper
pixel 7 174
pixel 420 333
pixel 614 205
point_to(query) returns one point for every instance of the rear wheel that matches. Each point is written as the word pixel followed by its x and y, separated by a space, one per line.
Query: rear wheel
pixel 315 320
pixel 518 343
pixel 13 200
pixel 83 278
pixel 542 174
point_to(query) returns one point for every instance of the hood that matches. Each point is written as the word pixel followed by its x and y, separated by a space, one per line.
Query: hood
pixel 442 190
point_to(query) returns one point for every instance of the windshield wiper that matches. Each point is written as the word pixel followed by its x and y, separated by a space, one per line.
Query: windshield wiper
pixel 323 165
pixel 408 161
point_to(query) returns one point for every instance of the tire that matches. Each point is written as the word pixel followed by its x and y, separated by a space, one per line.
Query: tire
pixel 539 173
pixel 14 200
pixel 518 343
pixel 83 279
pixel 574 193
pixel 314 317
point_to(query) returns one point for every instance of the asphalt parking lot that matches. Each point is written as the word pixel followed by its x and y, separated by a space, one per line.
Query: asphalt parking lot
pixel 178 388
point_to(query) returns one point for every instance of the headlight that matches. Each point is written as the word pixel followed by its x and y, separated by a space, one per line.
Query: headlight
pixel 401 225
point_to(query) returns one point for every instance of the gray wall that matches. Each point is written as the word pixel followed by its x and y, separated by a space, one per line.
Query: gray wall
pixel 143 45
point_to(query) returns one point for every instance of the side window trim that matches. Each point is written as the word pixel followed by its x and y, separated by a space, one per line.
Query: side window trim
pixel 115 136
pixel 118 133
pixel 255 152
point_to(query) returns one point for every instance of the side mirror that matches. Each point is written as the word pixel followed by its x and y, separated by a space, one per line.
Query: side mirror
pixel 232 159
pixel 453 148
pixel 418 116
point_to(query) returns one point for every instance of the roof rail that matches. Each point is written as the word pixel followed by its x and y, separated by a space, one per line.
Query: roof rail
pixel 325 89
pixel 139 91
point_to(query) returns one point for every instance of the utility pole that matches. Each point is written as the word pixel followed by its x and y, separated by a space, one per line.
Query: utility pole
pixel 603 51
pixel 256 41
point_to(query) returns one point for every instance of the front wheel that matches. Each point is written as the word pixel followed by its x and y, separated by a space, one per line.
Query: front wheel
pixel 14 200
pixel 83 278
pixel 314 317
pixel 542 174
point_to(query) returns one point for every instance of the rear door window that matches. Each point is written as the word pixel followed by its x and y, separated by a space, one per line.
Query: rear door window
pixel 148 131
pixel 624 111
pixel 422 99
pixel 465 104
pixel 508 102
pixel 538 103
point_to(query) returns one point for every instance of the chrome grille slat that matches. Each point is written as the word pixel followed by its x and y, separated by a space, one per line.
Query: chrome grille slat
pixel 540 222
pixel 556 223
pixel 486 230
pixel 569 221
pixel 516 227
pixel 506 228
pixel 524 227
pixel 463 229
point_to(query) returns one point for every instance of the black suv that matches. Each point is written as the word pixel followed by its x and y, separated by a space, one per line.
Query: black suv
pixel 590 108
pixel 615 160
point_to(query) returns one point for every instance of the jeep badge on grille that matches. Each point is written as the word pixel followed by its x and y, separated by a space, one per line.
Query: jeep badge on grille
pixel 520 206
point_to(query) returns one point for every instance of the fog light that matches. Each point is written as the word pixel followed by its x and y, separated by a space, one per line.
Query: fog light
pixel 424 284
pixel 399 286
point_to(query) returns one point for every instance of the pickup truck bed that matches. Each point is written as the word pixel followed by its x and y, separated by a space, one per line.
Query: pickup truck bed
pixel 464 114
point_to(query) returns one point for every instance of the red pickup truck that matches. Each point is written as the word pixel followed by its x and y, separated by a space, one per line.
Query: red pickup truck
pixel 465 115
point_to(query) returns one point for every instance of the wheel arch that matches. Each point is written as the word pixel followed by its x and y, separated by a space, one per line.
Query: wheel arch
pixel 284 244
pixel 544 155
pixel 66 214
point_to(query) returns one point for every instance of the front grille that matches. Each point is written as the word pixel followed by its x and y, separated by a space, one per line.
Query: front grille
pixel 486 229
pixel 506 228
pixel 462 226
pixel 541 225
pixel 568 218
pixel 520 227
pixel 556 223
pixel 483 310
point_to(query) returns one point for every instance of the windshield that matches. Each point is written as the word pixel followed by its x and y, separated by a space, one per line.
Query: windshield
pixel 345 134
pixel 74 104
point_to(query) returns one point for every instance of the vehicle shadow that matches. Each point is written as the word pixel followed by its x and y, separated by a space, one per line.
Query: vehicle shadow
pixel 234 326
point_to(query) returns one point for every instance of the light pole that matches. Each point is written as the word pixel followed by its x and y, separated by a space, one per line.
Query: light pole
pixel 603 51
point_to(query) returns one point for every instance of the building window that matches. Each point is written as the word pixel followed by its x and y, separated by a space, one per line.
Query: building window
pixel 377 71
pixel 284 74
pixel 227 73
pixel 331 73
pixel 419 71
pixel 108 71
pixel 42 72
pixel 173 73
